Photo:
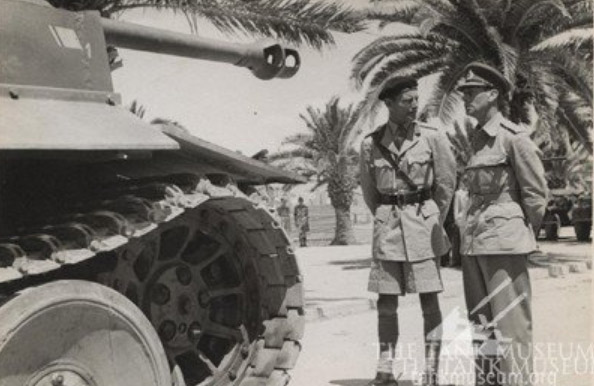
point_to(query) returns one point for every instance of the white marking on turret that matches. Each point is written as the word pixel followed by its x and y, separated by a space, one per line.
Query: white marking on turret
pixel 65 37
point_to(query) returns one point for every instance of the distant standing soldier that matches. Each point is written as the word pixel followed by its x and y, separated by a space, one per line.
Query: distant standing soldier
pixel 284 212
pixel 408 174
pixel 301 213
pixel 507 191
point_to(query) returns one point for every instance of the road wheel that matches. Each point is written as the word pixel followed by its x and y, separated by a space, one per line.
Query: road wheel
pixel 221 286
pixel 78 333
pixel 582 230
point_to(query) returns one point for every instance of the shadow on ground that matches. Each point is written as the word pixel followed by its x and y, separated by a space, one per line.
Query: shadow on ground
pixel 320 300
pixel 353 263
pixel 544 261
pixel 364 382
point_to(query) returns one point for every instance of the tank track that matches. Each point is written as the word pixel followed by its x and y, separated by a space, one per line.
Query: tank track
pixel 102 232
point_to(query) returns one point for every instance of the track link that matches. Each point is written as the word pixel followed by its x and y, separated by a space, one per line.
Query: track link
pixel 266 338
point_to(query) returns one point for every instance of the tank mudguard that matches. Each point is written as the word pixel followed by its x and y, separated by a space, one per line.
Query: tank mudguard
pixel 205 155
pixel 29 123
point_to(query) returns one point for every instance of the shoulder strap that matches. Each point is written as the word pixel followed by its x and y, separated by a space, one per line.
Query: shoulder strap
pixel 388 156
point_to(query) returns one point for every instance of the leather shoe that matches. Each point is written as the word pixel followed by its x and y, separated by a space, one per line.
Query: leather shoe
pixel 383 379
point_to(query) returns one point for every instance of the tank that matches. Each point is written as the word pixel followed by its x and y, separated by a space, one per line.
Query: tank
pixel 131 254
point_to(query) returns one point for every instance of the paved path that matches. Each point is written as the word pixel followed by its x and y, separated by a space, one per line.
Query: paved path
pixel 340 343
pixel 336 276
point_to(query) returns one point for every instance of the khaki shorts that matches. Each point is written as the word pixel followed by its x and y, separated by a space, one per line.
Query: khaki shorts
pixel 402 277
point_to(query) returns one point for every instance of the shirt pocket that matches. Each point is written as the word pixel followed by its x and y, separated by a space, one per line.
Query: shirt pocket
pixel 384 174
pixel 418 164
pixel 419 158
pixel 509 224
pixel 487 174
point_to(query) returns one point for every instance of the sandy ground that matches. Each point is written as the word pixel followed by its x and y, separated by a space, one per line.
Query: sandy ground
pixel 340 343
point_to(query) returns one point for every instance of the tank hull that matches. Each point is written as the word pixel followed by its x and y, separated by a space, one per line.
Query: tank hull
pixel 121 226
pixel 93 199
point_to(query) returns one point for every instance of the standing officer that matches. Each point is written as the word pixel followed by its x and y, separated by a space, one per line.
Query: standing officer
pixel 301 214
pixel 507 191
pixel 408 173
pixel 284 212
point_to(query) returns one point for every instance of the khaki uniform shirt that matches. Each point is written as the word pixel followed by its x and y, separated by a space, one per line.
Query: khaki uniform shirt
pixel 507 191
pixel 413 232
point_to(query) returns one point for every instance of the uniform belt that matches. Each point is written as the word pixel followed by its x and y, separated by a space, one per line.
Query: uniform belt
pixel 405 198
pixel 495 198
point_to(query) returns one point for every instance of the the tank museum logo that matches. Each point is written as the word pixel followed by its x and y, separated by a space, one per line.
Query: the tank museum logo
pixel 484 352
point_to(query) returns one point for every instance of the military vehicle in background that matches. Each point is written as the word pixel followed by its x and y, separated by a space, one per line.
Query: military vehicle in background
pixel 568 207
pixel 558 210
pixel 130 254
pixel 581 216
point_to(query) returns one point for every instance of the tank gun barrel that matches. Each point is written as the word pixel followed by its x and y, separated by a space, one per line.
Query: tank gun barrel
pixel 266 60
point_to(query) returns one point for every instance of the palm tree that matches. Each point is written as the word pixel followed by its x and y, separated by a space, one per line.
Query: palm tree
pixel 327 153
pixel 567 165
pixel 543 47
pixel 296 21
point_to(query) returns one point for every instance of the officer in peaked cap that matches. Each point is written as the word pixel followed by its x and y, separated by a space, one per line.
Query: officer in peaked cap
pixel 481 75
pixel 507 200
pixel 407 179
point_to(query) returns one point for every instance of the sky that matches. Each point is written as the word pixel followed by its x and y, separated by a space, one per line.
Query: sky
pixel 225 104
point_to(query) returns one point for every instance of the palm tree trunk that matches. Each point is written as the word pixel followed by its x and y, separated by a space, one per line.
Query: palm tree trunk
pixel 344 234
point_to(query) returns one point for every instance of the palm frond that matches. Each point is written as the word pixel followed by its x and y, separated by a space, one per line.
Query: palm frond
pixel 441 7
pixel 350 133
pixel 580 12
pixel 463 22
pixel 508 57
pixel 494 11
pixel 319 184
pixel 403 61
pixel 461 144
pixel 398 48
pixel 298 140
pixel 399 69
pixel 574 73
pixel 401 11
pixel 443 102
pixel 582 133
pixel 522 14
pixel 567 40
pixel 295 21
pixel 577 115
pixel 491 43
pixel 534 43
pixel 542 84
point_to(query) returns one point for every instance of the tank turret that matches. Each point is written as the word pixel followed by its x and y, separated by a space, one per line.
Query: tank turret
pixel 55 78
